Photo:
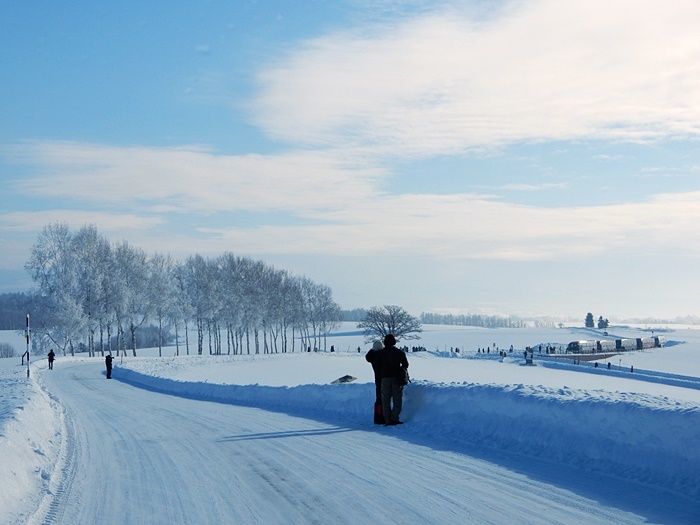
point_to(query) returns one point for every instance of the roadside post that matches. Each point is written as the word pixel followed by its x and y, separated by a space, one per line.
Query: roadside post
pixel 27 334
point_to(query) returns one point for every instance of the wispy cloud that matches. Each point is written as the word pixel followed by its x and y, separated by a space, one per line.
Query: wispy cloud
pixel 449 81
pixel 533 187
pixel 468 227
pixel 34 221
pixel 191 179
pixel 342 207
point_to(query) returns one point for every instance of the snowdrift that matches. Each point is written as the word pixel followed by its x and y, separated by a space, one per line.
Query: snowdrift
pixel 646 438
pixel 29 441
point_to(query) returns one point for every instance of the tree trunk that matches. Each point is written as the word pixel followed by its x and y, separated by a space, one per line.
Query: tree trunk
pixel 200 335
pixel 133 338
pixel 177 340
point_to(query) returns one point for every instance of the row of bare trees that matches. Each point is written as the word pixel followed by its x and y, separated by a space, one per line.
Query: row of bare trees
pixel 98 295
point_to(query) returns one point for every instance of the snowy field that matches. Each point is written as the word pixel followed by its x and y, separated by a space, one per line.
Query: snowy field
pixel 490 440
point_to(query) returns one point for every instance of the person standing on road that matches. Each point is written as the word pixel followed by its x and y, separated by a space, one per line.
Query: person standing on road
pixel 108 364
pixel 51 357
pixel 393 362
pixel 372 357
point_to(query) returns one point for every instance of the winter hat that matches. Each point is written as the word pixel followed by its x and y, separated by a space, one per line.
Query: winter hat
pixel 389 340
pixel 377 345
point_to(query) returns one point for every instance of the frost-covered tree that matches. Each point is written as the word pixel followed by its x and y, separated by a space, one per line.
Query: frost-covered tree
pixel 132 270
pixel 202 290
pixel 327 312
pixel 319 313
pixel 232 307
pixel 252 274
pixel 68 322
pixel 52 266
pixel 87 284
pixel 162 292
pixel 90 252
pixel 270 286
pixel 182 307
pixel 112 297
pixel 390 319
pixel 291 303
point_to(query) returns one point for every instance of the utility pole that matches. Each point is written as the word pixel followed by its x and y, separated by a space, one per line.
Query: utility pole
pixel 27 333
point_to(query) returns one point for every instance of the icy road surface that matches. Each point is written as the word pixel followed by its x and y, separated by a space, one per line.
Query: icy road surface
pixel 135 456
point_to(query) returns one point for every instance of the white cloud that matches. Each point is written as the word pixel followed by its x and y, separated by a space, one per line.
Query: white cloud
pixel 191 179
pixel 448 82
pixel 19 229
pixel 341 207
pixel 34 221
pixel 469 227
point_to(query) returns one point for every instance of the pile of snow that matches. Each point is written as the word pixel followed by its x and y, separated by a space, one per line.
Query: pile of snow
pixel 30 440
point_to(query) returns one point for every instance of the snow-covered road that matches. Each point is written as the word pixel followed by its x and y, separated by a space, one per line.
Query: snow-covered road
pixel 136 456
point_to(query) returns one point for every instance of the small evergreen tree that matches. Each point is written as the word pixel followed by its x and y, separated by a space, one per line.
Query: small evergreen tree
pixel 603 323
pixel 590 323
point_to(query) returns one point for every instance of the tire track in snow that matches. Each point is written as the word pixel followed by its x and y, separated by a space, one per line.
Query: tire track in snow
pixel 50 510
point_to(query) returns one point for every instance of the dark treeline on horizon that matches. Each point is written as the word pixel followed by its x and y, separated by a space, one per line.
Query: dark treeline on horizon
pixel 14 308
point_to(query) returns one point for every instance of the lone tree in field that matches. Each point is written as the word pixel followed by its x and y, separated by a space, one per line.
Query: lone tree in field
pixel 380 321
pixel 590 323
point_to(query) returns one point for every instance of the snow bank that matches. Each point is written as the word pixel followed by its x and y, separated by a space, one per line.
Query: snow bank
pixel 628 435
pixel 29 441
pixel 634 436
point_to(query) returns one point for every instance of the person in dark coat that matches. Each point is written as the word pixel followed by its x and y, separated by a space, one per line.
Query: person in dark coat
pixel 372 357
pixel 392 361
pixel 108 364
pixel 51 357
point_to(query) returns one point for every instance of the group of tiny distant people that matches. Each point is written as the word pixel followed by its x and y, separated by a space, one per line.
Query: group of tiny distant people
pixel 389 364
pixel 108 362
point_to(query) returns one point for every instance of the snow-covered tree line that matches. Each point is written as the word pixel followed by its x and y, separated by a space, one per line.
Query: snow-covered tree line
pixel 97 295
pixel 485 321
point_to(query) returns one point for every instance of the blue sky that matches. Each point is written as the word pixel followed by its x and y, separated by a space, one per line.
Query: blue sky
pixel 505 157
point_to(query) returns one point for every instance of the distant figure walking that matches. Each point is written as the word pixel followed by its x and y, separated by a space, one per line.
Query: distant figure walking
pixel 108 364
pixel 392 362
pixel 51 357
